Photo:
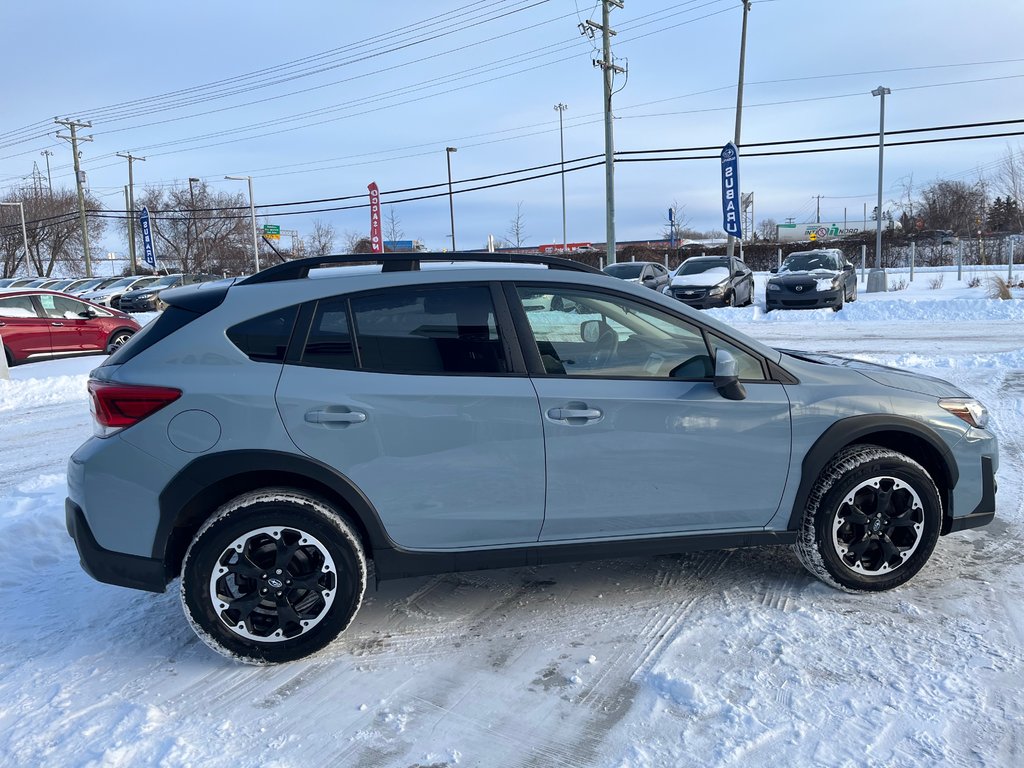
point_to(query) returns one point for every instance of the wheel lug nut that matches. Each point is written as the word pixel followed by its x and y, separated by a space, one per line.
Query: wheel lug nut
pixel 278 570
pixel 279 594
pixel 288 582
pixel 263 576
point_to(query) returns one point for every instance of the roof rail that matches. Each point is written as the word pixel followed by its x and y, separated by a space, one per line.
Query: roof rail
pixel 404 262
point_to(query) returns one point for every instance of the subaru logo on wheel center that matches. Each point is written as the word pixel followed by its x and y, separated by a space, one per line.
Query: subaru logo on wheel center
pixel 275 583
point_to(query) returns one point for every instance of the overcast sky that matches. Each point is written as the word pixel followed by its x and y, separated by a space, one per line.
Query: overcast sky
pixel 384 87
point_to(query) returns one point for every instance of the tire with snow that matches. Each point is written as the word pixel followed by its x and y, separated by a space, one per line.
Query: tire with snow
pixel 273 576
pixel 871 522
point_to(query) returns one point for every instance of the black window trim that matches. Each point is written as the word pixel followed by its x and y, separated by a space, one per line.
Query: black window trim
pixel 536 366
pixel 502 320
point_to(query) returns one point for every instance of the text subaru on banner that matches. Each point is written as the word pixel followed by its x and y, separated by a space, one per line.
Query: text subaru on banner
pixel 148 254
pixel 730 191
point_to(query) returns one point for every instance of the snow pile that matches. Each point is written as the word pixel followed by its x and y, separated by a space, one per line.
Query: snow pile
pixel 29 393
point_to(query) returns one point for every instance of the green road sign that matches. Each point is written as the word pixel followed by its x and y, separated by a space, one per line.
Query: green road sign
pixel 271 229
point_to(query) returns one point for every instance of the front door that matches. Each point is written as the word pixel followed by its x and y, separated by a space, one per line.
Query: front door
pixel 638 439
pixel 409 393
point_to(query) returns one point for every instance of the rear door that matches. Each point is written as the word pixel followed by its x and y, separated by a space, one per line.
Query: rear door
pixel 23 329
pixel 411 393
pixel 638 440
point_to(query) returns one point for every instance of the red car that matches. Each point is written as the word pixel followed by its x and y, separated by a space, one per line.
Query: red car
pixel 39 324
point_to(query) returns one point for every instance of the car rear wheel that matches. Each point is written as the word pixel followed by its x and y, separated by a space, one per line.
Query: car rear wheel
pixel 118 339
pixel 871 522
pixel 273 576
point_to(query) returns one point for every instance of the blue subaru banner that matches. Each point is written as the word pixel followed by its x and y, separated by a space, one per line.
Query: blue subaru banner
pixel 149 255
pixel 730 191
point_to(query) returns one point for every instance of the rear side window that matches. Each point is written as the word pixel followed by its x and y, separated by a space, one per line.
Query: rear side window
pixel 435 330
pixel 265 338
pixel 17 306
pixel 329 344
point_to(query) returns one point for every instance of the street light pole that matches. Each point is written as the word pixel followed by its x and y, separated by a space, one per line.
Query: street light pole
pixel 24 232
pixel 192 213
pixel 451 201
pixel 252 211
pixel 731 241
pixel 561 141
pixel 882 92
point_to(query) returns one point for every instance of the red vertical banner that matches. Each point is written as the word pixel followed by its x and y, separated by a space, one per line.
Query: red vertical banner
pixel 376 241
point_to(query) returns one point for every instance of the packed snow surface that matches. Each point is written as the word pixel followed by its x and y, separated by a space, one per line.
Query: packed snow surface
pixel 715 658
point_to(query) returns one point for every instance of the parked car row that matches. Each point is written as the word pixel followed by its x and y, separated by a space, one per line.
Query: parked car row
pixel 806 280
pixel 142 291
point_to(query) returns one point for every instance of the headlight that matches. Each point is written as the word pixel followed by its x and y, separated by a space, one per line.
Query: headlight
pixel 147 295
pixel 966 408
pixel 719 289
pixel 774 287
pixel 667 290
pixel 826 284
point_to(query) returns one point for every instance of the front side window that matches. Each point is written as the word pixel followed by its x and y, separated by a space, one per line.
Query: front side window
pixel 584 333
pixel 66 307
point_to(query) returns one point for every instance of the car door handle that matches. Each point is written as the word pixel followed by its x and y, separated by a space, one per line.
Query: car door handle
pixel 575 416
pixel 327 416
pixel 57 324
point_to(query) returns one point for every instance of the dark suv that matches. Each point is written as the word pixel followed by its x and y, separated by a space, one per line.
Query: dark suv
pixel 147 298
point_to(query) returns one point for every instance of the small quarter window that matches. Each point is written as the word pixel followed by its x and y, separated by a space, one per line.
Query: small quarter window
pixel 265 338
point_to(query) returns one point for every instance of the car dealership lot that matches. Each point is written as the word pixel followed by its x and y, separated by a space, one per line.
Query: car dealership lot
pixel 707 658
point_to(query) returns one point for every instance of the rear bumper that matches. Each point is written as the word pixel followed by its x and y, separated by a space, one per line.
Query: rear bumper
pixel 111 567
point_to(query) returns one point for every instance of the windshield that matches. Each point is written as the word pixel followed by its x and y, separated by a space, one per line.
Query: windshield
pixel 163 282
pixel 808 262
pixel 123 282
pixel 89 284
pixel 695 267
pixel 628 271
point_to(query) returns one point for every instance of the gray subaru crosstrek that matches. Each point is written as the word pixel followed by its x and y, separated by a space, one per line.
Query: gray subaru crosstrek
pixel 265 438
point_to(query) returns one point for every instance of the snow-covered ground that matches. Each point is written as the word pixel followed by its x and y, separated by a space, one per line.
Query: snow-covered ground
pixel 716 658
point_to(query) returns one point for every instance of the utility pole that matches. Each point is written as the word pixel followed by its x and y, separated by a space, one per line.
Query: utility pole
pixel 731 241
pixel 561 140
pixel 451 200
pixel 24 232
pixel 47 154
pixel 72 126
pixel 882 92
pixel 252 212
pixel 131 206
pixel 609 70
pixel 817 215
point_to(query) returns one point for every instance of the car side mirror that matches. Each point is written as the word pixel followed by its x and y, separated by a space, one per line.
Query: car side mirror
pixel 738 273
pixel 88 314
pixel 727 381
pixel 774 270
pixel 590 331
pixel 650 279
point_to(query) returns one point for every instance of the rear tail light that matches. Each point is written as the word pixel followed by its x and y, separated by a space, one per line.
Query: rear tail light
pixel 116 406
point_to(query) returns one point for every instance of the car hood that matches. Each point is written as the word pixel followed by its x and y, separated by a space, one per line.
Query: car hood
pixel 884 375
pixel 702 279
pixel 803 275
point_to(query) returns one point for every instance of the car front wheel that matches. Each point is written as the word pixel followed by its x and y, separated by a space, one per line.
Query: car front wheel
pixel 871 522
pixel 273 576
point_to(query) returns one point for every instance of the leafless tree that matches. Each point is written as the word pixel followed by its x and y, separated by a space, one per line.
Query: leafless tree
pixel 952 205
pixel 676 228
pixel 213 235
pixel 393 226
pixel 768 230
pixel 352 241
pixel 517 228
pixel 54 232
pixel 1009 180
pixel 321 241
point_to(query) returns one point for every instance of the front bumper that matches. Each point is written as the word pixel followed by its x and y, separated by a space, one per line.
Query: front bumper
pixel 109 567
pixel 787 299
pixel 698 298
pixel 985 512
pixel 134 304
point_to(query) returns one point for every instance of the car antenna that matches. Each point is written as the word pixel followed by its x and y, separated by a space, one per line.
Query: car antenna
pixel 276 252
